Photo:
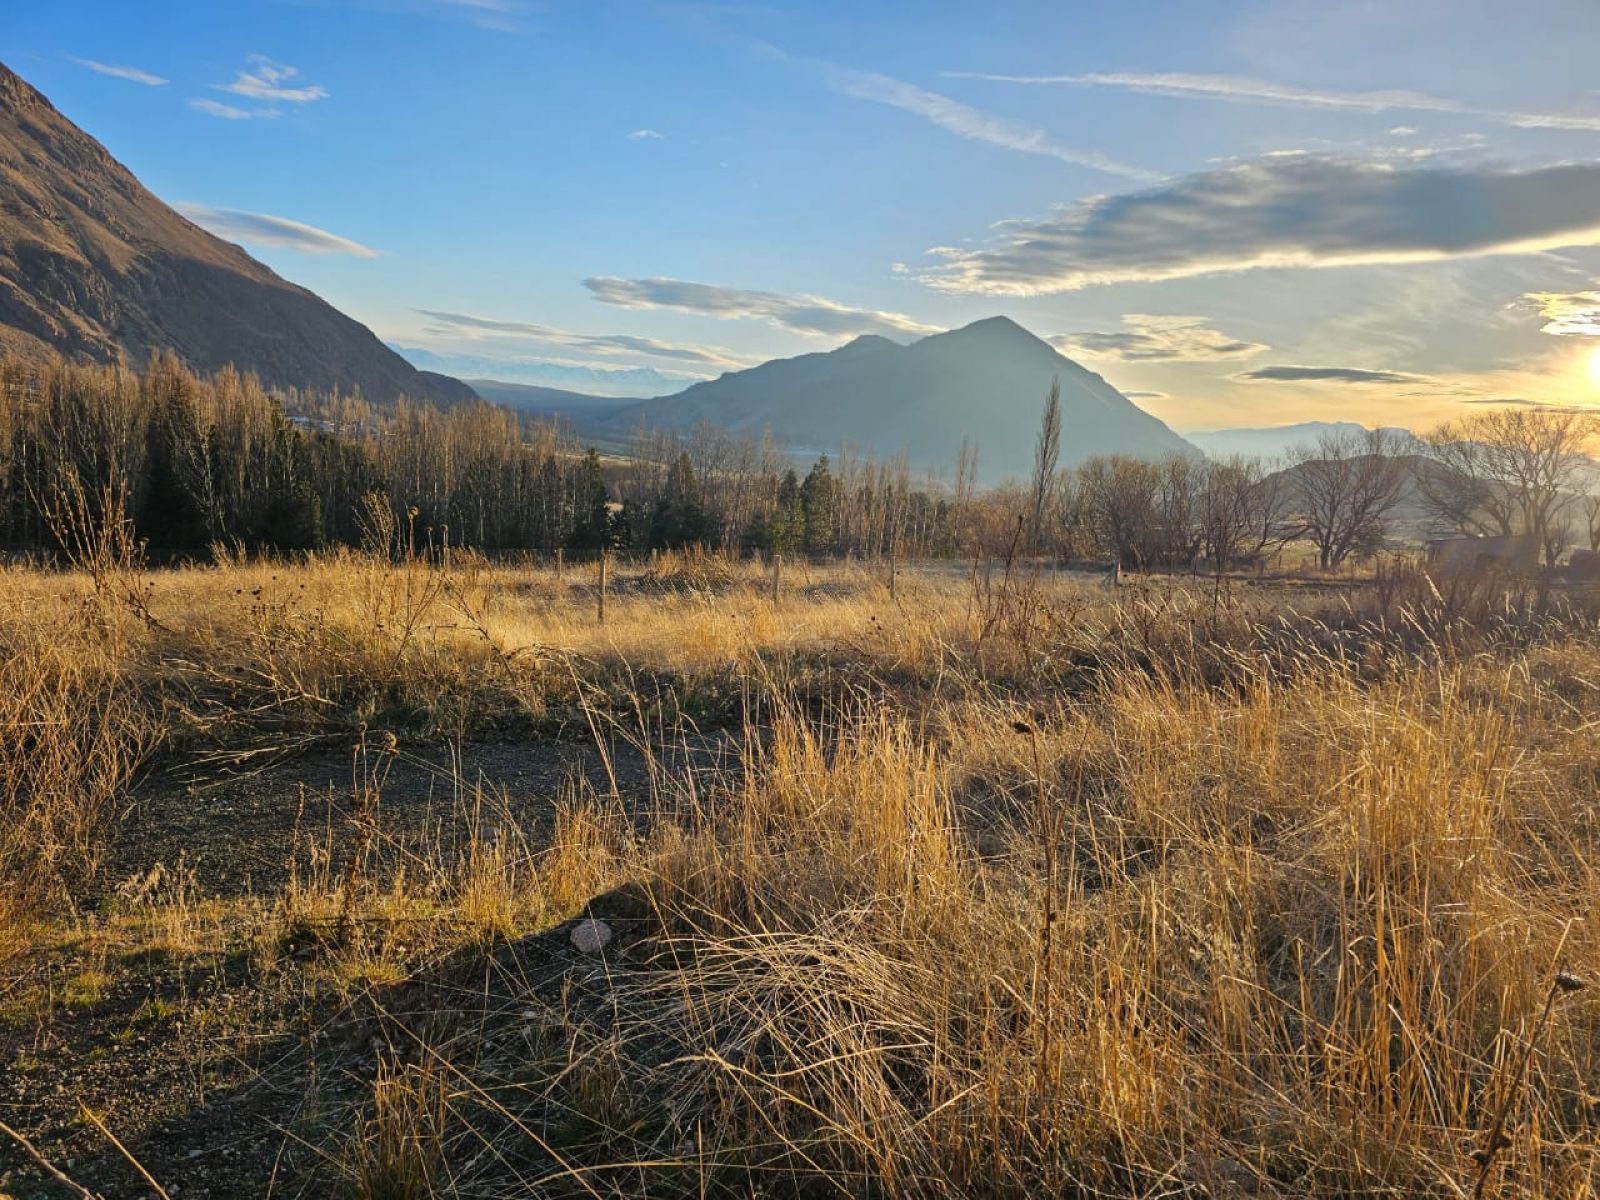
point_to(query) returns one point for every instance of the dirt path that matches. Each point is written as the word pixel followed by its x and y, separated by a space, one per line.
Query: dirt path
pixel 232 832
pixel 217 1104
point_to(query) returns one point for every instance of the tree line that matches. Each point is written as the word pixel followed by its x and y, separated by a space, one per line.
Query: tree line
pixel 1513 472
pixel 199 463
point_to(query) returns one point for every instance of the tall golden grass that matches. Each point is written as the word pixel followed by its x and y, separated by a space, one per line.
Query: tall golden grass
pixel 1016 886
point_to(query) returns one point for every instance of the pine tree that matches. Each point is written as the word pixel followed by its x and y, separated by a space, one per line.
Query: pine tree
pixel 789 523
pixel 592 530
pixel 679 520
pixel 171 513
pixel 819 503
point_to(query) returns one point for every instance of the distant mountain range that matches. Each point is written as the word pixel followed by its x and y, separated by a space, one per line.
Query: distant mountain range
pixel 632 382
pixel 96 268
pixel 579 408
pixel 1279 441
pixel 986 382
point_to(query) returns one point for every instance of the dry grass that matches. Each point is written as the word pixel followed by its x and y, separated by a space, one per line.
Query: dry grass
pixel 1016 887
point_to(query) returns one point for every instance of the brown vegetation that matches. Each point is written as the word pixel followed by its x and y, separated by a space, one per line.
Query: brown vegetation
pixel 1007 885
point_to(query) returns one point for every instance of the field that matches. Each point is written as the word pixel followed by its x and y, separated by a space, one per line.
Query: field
pixel 968 881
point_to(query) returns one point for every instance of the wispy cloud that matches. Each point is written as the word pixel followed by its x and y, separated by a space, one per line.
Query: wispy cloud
pixel 1554 406
pixel 1283 210
pixel 231 112
pixel 262 229
pixel 1568 314
pixel 1243 90
pixel 267 81
pixel 1151 337
pixel 1283 374
pixel 967 122
pixel 502 15
pixel 801 314
pixel 473 327
pixel 642 135
pixel 132 74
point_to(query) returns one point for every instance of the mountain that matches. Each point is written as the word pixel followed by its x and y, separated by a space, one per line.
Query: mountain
pixel 578 407
pixel 986 381
pixel 576 379
pixel 1278 441
pixel 96 268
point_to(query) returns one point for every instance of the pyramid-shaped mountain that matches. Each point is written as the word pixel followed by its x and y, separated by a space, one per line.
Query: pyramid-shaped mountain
pixel 986 382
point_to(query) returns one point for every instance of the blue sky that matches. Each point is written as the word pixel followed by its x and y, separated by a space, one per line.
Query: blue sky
pixel 1240 213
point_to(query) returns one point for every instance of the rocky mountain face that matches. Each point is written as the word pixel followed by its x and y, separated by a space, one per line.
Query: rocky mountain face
pixel 96 268
pixel 986 382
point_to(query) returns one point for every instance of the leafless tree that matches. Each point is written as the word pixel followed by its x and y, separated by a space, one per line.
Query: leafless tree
pixel 1120 500
pixel 1227 502
pixel 1591 519
pixel 1345 485
pixel 1509 471
pixel 1046 454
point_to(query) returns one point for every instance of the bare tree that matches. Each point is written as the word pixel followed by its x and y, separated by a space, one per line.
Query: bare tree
pixel 1176 538
pixel 1227 517
pixel 1046 454
pixel 1507 472
pixel 1120 499
pixel 1345 485
pixel 1591 519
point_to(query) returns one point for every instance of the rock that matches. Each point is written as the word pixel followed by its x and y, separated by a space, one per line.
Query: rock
pixel 590 936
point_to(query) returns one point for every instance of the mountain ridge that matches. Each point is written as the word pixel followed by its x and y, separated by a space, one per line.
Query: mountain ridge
pixel 985 381
pixel 96 268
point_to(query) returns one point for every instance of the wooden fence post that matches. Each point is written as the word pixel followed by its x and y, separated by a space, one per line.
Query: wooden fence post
pixel 605 560
pixel 777 576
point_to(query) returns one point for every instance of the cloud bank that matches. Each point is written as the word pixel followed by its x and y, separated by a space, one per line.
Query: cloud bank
pixel 1242 90
pixel 1283 210
pixel 800 314
pixel 132 74
pixel 472 327
pixel 262 229
pixel 1283 374
pixel 1149 337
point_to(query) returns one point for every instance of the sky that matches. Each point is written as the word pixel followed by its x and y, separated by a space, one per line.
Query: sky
pixel 1241 213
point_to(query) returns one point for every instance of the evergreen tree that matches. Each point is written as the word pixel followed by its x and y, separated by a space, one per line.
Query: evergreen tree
pixel 592 530
pixel 679 519
pixel 291 519
pixel 789 522
pixel 818 504
pixel 171 513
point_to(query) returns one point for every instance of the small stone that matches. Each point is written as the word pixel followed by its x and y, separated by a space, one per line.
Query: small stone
pixel 590 936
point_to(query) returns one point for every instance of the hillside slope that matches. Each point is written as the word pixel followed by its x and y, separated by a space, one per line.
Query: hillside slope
pixel 96 268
